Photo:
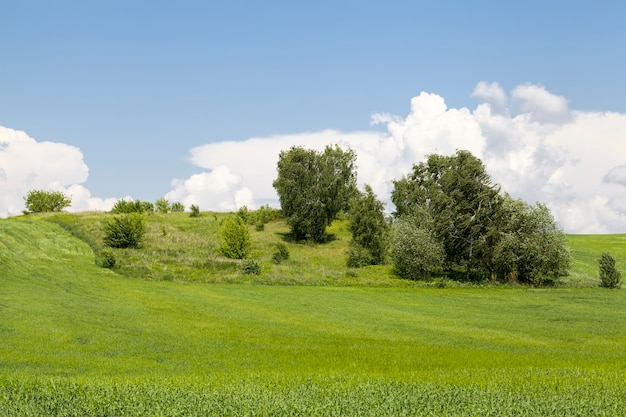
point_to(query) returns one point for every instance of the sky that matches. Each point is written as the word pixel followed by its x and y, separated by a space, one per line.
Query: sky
pixel 194 100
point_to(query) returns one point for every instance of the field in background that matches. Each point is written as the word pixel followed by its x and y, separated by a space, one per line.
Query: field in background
pixel 82 340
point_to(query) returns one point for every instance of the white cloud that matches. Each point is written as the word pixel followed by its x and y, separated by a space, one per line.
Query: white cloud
pixel 530 141
pixel 616 175
pixel 26 164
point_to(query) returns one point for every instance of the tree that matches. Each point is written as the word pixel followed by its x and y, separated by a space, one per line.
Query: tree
pixel 40 201
pixel 177 207
pixel 610 277
pixel 125 231
pixel 313 187
pixel 458 193
pixel 235 241
pixel 525 245
pixel 162 205
pixel 415 250
pixel 369 230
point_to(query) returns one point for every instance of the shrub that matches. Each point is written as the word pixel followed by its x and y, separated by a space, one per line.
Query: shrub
pixel 130 206
pixel 235 238
pixel 358 256
pixel 40 201
pixel 126 231
pixel 281 253
pixel 105 258
pixel 162 205
pixel 177 207
pixel 610 277
pixel 250 267
pixel 414 249
pixel 195 211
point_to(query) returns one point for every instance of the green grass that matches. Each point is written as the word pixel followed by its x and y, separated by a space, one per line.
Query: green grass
pixel 586 250
pixel 82 340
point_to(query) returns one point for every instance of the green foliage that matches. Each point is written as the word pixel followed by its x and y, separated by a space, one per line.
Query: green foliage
pixel 195 211
pixel 244 214
pixel 610 276
pixel 313 187
pixel 40 201
pixel 125 231
pixel 129 206
pixel 525 245
pixel 358 256
pixel 281 253
pixel 250 267
pixel 177 207
pixel 235 240
pixel 482 231
pixel 162 205
pixel 369 230
pixel 415 250
pixel 105 258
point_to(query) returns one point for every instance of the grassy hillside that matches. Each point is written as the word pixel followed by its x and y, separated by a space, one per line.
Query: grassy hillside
pixel 81 340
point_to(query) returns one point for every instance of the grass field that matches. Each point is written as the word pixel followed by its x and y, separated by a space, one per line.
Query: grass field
pixel 82 340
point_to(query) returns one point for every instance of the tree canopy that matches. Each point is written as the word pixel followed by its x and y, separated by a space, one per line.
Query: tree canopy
pixel 481 230
pixel 40 201
pixel 313 187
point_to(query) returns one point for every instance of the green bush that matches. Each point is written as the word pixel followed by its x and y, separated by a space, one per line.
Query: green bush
pixel 358 256
pixel 130 206
pixel 177 207
pixel 250 267
pixel 414 249
pixel 40 201
pixel 610 277
pixel 125 231
pixel 281 254
pixel 195 211
pixel 235 241
pixel 105 258
pixel 162 205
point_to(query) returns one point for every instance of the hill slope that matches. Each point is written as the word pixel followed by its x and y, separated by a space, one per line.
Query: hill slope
pixel 137 342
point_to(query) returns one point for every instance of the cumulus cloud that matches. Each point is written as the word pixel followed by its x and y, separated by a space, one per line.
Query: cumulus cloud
pixel 532 143
pixel 26 164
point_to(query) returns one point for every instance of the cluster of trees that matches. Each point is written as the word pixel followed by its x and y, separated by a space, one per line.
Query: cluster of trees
pixel 449 217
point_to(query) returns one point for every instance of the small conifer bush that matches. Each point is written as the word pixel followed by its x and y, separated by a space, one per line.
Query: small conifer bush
pixel 610 277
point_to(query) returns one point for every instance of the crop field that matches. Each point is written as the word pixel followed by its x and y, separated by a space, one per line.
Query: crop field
pixel 178 331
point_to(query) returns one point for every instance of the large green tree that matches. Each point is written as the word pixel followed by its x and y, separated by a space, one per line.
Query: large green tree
pixel 313 187
pixel 459 195
pixel 525 244
pixel 481 229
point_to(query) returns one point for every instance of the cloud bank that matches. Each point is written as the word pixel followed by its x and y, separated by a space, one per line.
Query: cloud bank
pixel 26 164
pixel 532 143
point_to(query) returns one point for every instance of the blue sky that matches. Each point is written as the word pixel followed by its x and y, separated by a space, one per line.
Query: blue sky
pixel 140 87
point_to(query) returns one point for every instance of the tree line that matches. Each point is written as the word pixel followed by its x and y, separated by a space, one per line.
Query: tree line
pixel 450 220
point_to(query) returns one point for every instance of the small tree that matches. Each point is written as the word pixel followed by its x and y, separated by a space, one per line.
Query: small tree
pixel 125 231
pixel 162 205
pixel 235 238
pixel 40 201
pixel 415 251
pixel 195 211
pixel 369 230
pixel 177 207
pixel 610 277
